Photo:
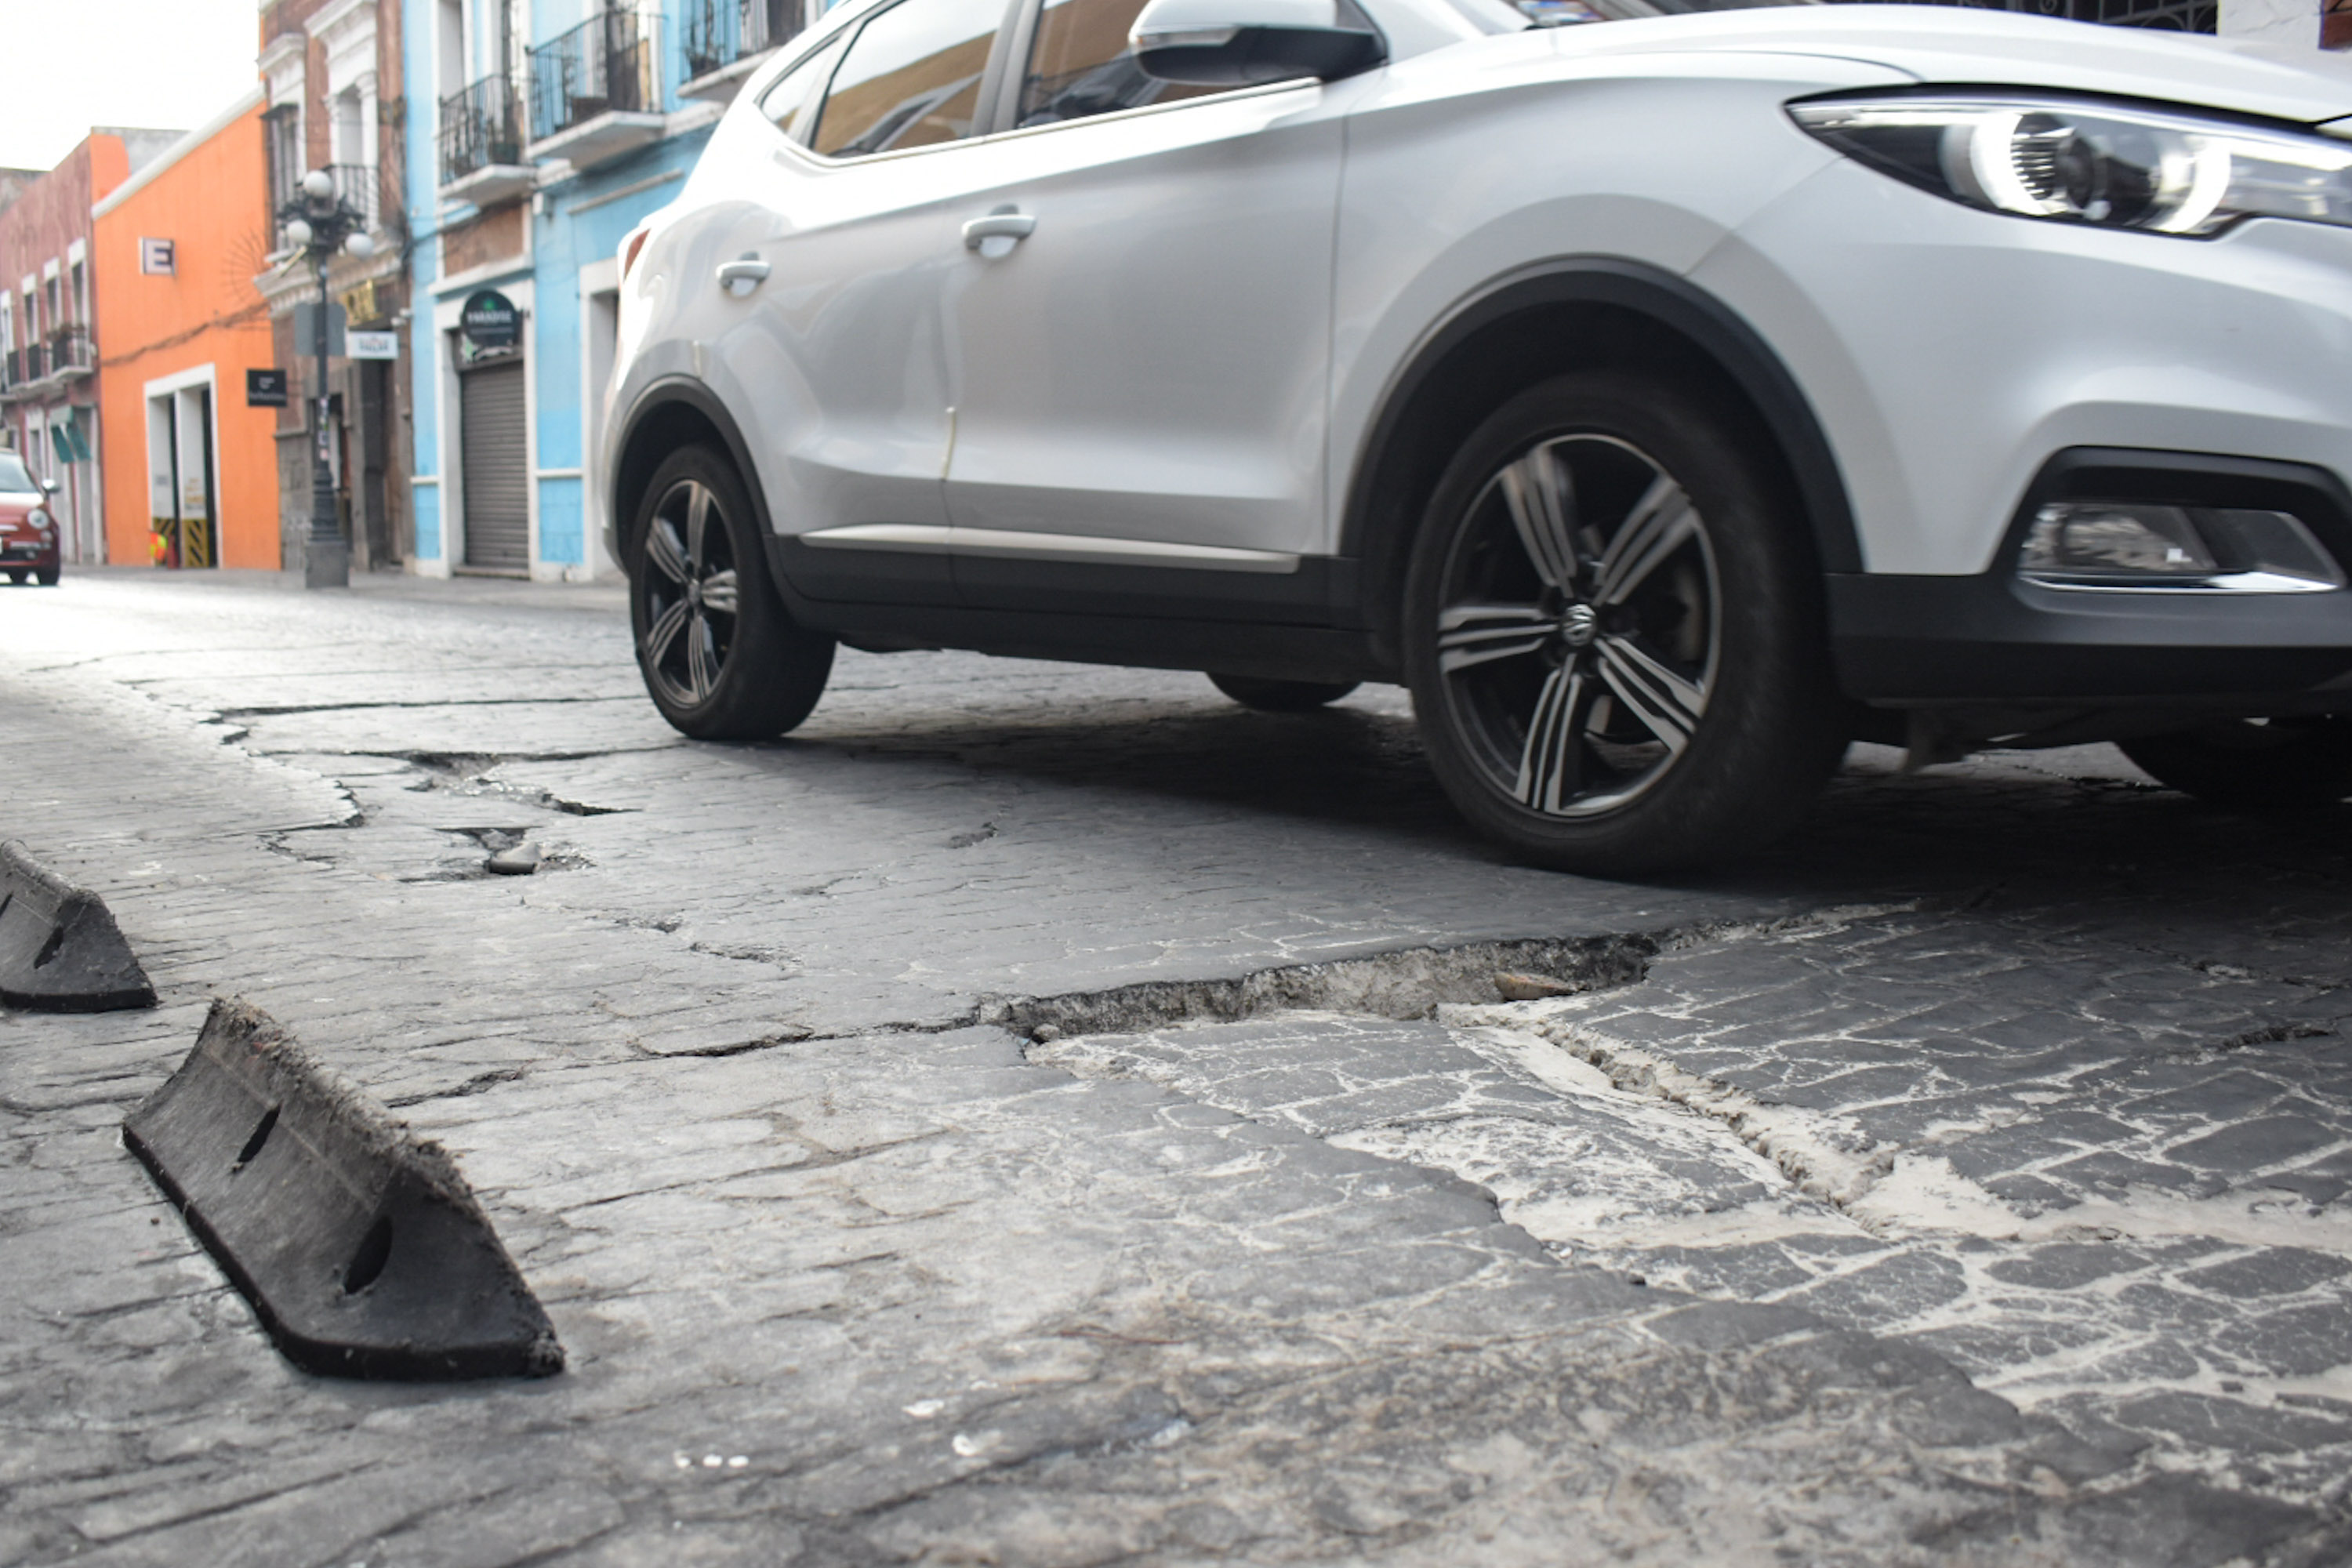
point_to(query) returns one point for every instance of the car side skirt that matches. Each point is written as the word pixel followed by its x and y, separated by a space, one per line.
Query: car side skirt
pixel 1227 646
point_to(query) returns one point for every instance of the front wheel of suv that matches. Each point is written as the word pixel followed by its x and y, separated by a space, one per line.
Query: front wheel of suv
pixel 2253 765
pixel 722 656
pixel 1613 633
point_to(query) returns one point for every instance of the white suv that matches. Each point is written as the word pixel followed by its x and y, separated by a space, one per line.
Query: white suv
pixel 1666 402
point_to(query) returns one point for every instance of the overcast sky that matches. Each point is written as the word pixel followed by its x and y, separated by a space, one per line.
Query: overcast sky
pixel 72 64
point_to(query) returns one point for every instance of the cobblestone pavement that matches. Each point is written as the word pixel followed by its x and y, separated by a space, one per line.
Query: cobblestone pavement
pixel 1039 1114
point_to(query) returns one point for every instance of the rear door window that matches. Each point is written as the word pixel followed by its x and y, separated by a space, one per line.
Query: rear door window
pixel 911 79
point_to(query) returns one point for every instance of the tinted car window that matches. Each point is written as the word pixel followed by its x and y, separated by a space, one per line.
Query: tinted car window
pixel 13 476
pixel 1080 64
pixel 910 79
pixel 791 103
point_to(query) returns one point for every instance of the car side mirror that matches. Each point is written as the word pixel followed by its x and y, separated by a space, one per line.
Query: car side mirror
pixel 48 487
pixel 1241 43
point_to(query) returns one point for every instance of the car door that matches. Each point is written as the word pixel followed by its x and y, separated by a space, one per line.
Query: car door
pixel 1139 332
pixel 830 335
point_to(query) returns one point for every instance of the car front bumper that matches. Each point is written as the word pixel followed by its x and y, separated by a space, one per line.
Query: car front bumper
pixel 1991 639
pixel 1996 637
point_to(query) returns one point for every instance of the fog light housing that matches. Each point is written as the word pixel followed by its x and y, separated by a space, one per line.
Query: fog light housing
pixel 2141 545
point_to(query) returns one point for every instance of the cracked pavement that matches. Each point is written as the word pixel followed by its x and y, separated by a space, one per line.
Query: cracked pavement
pixel 1049 1115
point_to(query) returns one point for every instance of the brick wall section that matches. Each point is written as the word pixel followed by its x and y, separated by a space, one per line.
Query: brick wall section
pixel 493 236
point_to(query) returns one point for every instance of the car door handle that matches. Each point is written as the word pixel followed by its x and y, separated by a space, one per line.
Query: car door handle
pixel 1008 225
pixel 742 276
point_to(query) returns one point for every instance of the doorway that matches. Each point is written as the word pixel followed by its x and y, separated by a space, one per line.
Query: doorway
pixel 184 514
pixel 495 452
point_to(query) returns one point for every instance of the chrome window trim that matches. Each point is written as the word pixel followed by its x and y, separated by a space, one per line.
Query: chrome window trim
pixel 934 539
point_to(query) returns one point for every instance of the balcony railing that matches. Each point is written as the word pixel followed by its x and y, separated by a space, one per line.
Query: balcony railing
pixel 70 352
pixel 610 62
pixel 355 185
pixel 479 128
pixel 721 32
pixel 2170 15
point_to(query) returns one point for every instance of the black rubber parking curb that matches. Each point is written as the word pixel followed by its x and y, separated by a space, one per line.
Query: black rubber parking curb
pixel 60 951
pixel 361 1247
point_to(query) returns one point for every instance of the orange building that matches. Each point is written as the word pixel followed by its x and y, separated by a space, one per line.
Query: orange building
pixel 190 473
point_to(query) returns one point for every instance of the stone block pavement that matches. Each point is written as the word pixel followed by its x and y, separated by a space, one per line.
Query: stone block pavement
pixel 1959 1184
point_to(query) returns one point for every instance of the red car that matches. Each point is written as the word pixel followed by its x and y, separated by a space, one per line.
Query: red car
pixel 29 536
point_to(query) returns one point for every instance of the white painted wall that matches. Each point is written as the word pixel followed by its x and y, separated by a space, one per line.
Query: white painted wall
pixel 2288 24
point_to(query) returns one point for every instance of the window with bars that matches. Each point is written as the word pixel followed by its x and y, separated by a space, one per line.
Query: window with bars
pixel 281 130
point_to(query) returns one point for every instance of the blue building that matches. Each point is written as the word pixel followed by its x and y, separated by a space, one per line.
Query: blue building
pixel 539 133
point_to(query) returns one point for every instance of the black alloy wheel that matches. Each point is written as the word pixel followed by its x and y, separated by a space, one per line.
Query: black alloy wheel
pixel 2253 765
pixel 1270 696
pixel 1613 633
pixel 722 656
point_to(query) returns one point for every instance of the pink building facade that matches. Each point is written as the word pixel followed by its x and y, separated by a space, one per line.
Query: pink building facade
pixel 49 332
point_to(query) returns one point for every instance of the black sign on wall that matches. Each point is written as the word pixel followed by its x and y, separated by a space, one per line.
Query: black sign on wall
pixel 489 321
pixel 265 389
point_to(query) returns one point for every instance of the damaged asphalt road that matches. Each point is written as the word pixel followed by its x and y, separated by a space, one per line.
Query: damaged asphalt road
pixel 1048 1115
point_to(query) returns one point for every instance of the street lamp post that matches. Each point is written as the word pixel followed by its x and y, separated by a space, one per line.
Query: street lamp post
pixel 319 223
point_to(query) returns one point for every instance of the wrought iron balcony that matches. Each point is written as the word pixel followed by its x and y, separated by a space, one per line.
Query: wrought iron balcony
pixel 70 351
pixel 355 185
pixel 2171 16
pixel 721 33
pixel 610 64
pixel 479 129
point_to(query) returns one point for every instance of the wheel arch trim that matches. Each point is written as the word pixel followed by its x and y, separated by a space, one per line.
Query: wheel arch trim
pixel 1673 302
pixel 667 391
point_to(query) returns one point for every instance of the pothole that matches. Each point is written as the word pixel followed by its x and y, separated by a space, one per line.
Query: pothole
pixel 1410 985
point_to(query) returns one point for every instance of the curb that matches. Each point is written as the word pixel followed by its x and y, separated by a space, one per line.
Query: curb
pixel 361 1248
pixel 60 951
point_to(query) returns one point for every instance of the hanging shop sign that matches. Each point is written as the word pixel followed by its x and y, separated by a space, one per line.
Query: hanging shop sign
pixel 490 320
pixel 265 389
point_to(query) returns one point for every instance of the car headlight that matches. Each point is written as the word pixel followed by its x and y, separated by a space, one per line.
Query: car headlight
pixel 2085 162
pixel 38 518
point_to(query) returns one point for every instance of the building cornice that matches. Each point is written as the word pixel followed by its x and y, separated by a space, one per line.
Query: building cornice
pixel 282 48
pixel 336 17
pixel 286 286
pixel 246 103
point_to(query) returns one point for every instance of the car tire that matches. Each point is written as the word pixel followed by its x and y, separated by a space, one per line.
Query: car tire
pixel 1281 696
pixel 1613 631
pixel 18 578
pixel 47 577
pixel 2253 765
pixel 722 656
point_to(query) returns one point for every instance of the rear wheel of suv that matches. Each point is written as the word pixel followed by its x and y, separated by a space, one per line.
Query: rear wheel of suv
pixel 2253 765
pixel 1613 633
pixel 1281 696
pixel 722 656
